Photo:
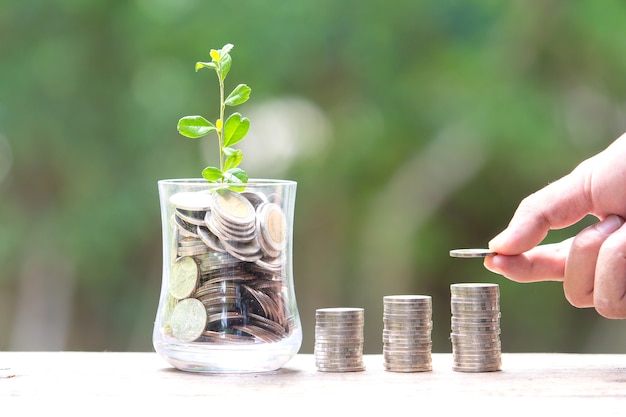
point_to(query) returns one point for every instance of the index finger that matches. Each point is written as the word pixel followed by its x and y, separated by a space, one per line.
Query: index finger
pixel 559 204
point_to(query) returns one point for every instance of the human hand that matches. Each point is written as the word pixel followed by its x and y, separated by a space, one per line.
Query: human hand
pixel 592 264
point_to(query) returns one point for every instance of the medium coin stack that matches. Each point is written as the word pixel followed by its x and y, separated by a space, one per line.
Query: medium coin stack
pixel 339 339
pixel 228 276
pixel 407 328
pixel 475 327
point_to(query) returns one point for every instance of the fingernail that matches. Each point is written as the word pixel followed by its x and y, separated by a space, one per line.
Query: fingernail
pixel 610 224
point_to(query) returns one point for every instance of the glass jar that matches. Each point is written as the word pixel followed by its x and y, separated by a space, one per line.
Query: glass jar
pixel 227 301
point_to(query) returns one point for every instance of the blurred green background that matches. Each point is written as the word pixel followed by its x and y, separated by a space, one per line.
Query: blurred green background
pixel 411 127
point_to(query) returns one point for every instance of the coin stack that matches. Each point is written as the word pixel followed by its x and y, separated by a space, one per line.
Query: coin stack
pixel 407 327
pixel 475 327
pixel 228 275
pixel 339 339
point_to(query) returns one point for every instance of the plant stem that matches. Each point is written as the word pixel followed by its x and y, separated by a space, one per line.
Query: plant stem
pixel 220 131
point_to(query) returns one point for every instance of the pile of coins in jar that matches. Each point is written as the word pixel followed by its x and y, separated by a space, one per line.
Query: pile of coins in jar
pixel 228 272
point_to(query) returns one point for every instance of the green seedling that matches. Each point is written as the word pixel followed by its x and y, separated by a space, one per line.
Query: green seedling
pixel 230 131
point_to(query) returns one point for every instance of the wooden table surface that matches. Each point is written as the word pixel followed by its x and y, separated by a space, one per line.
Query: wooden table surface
pixel 576 384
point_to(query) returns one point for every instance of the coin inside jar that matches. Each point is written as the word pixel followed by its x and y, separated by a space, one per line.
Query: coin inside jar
pixel 189 320
pixel 233 207
pixel 193 201
pixel 184 277
pixel 273 226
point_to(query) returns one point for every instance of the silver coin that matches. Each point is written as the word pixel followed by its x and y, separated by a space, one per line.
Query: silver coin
pixel 222 230
pixel 273 267
pixel 399 329
pixel 193 201
pixel 184 277
pixel 474 286
pixel 407 369
pixel 340 361
pixel 188 320
pixel 491 368
pixel 183 228
pixel 408 298
pixel 407 360
pixel 192 217
pixel 340 311
pixel 412 333
pixel 338 321
pixel 484 341
pixel 259 333
pixel 477 354
pixel 340 366
pixel 248 251
pixel 325 335
pixel 406 349
pixel 255 198
pixel 414 345
pixel 339 349
pixel 461 294
pixel 193 251
pixel 233 207
pixel 338 357
pixel 243 230
pixel 471 253
pixel 272 225
pixel 209 239
pixel 473 294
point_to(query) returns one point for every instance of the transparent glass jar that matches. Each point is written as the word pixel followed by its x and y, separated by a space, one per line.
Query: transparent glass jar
pixel 227 300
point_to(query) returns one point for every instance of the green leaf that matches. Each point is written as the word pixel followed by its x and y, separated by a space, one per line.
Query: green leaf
pixel 239 95
pixel 200 65
pixel 212 174
pixel 236 176
pixel 233 158
pixel 225 65
pixel 235 129
pixel 226 49
pixel 195 126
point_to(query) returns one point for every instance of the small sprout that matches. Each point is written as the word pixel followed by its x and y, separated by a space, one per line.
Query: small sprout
pixel 229 132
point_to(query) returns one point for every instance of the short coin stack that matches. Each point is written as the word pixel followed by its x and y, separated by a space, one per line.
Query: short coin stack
pixel 475 327
pixel 407 322
pixel 339 339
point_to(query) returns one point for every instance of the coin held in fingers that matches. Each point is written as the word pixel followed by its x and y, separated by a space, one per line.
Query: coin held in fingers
pixel 471 253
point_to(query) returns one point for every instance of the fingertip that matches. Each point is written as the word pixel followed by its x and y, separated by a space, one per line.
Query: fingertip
pixel 492 264
pixel 517 238
pixel 501 243
pixel 488 262
pixel 492 244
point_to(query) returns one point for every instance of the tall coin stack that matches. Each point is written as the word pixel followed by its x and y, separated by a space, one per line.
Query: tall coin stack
pixel 407 327
pixel 339 339
pixel 475 327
